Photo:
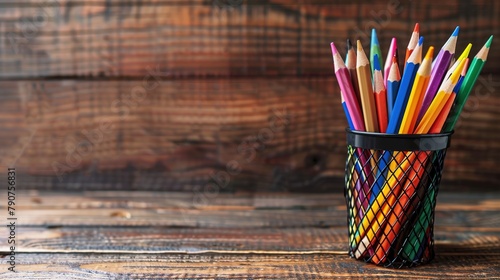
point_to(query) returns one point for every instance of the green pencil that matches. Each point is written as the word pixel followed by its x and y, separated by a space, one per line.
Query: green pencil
pixel 470 79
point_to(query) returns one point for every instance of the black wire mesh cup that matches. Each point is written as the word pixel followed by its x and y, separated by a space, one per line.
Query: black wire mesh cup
pixel 391 184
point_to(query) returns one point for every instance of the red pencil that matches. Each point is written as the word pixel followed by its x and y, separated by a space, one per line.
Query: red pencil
pixel 380 96
pixel 413 42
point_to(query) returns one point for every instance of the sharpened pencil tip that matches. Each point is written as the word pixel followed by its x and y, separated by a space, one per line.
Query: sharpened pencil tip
pixel 421 40
pixel 466 52
pixel 417 28
pixel 455 32
pixel 334 49
pixel 376 62
pixel 349 44
pixel 429 53
pixel 394 42
pixel 374 41
pixel 359 45
pixel 488 43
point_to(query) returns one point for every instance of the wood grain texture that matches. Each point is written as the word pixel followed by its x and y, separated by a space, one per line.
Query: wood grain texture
pixel 283 134
pixel 210 214
pixel 206 38
pixel 242 266
pixel 269 240
pixel 467 246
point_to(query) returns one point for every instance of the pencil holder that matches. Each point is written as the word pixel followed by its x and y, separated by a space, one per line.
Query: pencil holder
pixel 391 184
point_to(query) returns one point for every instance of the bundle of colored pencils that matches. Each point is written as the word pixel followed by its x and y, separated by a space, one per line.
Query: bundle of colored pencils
pixel 425 98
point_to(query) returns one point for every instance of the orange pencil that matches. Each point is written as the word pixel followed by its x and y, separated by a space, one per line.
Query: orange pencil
pixel 365 89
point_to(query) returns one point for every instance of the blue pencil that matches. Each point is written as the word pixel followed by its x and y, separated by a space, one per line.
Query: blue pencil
pixel 349 120
pixel 393 81
pixel 398 110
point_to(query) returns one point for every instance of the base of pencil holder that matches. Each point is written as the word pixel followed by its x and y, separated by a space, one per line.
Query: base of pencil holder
pixel 391 184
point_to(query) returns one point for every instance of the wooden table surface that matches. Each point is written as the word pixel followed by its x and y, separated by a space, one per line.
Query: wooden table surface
pixel 156 235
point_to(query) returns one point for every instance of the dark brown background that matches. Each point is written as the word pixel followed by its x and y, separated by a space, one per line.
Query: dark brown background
pixel 229 71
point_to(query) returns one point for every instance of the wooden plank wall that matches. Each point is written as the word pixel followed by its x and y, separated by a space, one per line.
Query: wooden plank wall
pixel 162 94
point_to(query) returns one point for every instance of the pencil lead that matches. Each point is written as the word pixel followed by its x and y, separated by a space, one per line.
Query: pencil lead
pixel 374 37
pixel 466 52
pixel 421 40
pixel 455 32
pixel 334 49
pixel 417 28
pixel 359 45
pixel 429 53
pixel 488 43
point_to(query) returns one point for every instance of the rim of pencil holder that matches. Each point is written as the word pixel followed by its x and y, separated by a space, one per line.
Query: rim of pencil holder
pixel 398 142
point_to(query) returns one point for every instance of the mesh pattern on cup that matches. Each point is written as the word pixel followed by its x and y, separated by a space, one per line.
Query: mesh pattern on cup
pixel 391 210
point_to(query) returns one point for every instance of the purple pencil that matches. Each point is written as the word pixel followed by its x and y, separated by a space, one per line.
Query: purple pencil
pixel 439 68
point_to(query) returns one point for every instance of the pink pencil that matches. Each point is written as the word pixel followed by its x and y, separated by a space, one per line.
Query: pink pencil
pixel 344 81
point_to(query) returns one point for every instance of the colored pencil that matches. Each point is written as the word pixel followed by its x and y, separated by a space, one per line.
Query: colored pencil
pixel 369 109
pixel 417 94
pixel 375 50
pixel 366 90
pixel 353 109
pixel 346 89
pixel 351 66
pixel 439 69
pixel 393 49
pixel 380 96
pixel 470 79
pixel 413 42
pixel 393 81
